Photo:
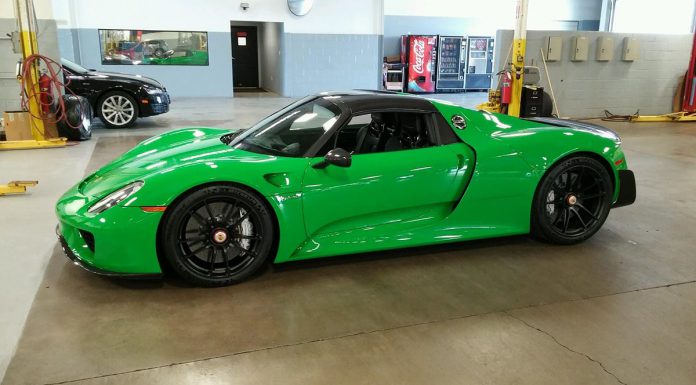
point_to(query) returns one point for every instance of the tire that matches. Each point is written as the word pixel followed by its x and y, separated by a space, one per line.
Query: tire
pixel 78 126
pixel 217 236
pixel 547 110
pixel 572 201
pixel 117 109
pixel 159 52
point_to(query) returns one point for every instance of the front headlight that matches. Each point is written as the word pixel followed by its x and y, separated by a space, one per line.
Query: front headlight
pixel 153 91
pixel 115 197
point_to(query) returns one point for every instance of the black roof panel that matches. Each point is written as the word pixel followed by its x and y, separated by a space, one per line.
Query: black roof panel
pixel 362 101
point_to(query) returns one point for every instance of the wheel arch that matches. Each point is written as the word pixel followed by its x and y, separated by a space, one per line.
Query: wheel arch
pixel 101 95
pixel 602 160
pixel 164 264
pixel 593 155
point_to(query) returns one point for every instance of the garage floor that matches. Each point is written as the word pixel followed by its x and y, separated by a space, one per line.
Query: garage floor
pixel 618 309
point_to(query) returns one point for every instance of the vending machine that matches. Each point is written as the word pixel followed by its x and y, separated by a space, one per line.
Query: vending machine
pixel 451 63
pixel 421 71
pixel 480 63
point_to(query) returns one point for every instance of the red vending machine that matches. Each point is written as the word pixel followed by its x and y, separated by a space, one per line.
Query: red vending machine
pixel 422 63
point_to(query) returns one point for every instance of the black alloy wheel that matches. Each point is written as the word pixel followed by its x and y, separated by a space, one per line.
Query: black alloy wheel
pixel 572 201
pixel 217 236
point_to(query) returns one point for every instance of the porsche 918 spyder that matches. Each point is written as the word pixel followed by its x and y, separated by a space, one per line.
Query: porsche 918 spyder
pixel 340 173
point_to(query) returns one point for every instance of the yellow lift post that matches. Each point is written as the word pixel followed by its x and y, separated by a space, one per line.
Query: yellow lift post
pixel 27 24
pixel 519 47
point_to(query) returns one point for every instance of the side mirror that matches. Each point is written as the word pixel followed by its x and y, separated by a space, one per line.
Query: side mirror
pixel 338 157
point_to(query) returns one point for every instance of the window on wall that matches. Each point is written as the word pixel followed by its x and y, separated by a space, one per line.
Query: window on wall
pixel 138 47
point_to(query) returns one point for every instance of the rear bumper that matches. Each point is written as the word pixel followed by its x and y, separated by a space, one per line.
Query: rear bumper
pixel 627 189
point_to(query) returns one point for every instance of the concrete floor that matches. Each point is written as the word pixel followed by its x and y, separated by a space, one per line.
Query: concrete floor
pixel 620 308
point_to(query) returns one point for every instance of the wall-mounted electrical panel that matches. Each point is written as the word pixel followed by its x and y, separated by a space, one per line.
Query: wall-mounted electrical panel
pixel 605 49
pixel 578 48
pixel 554 45
pixel 631 49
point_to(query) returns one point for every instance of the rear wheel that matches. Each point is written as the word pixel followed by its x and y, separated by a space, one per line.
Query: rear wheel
pixel 572 201
pixel 218 236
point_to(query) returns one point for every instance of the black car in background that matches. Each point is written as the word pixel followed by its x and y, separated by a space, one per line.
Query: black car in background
pixel 117 99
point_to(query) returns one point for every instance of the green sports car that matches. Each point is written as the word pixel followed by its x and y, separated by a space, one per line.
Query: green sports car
pixel 340 173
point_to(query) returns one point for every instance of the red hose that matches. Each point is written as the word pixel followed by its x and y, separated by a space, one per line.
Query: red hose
pixel 54 73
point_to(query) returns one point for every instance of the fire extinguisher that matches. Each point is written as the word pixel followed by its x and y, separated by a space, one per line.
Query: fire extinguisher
pixel 506 88
pixel 45 93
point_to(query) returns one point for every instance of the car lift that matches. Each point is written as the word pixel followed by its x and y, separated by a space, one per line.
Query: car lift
pixel 519 46
pixel 17 187
pixel 688 98
pixel 27 26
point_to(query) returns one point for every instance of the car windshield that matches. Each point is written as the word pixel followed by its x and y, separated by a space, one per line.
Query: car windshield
pixel 291 131
pixel 72 67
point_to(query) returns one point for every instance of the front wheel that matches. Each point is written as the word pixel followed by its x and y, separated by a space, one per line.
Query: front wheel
pixel 118 110
pixel 572 201
pixel 218 235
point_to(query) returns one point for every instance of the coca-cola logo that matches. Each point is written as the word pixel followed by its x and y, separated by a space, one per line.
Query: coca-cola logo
pixel 419 52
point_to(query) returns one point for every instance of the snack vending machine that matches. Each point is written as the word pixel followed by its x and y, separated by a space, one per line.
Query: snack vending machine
pixel 451 63
pixel 480 63
pixel 422 60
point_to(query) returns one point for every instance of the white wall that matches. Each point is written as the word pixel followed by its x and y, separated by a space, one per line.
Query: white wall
pixel 587 88
pixel 326 17
pixel 333 30
pixel 664 16
pixel 498 14
pixel 44 9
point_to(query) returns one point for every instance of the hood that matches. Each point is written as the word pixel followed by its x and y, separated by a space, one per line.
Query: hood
pixel 162 154
pixel 126 77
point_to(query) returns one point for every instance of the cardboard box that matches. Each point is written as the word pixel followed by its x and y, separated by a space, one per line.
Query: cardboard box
pixel 50 128
pixel 17 125
pixel 392 59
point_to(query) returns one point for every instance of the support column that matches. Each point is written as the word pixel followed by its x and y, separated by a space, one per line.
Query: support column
pixel 519 44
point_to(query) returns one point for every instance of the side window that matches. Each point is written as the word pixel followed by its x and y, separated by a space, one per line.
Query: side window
pixel 383 131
